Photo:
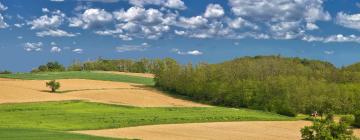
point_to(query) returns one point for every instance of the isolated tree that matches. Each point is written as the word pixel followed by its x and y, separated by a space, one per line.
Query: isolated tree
pixel 53 85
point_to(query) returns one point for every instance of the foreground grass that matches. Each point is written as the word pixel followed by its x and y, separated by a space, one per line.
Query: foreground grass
pixel 79 115
pixel 80 75
pixel 35 134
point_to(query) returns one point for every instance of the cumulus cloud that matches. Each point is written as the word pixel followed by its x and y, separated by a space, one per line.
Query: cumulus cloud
pixel 138 22
pixel 55 49
pixel 349 21
pixel 192 52
pixel 48 22
pixel 214 11
pixel 57 0
pixel 193 22
pixel 282 19
pixel 33 46
pixel 55 33
pixel 175 4
pixel 127 48
pixel 91 18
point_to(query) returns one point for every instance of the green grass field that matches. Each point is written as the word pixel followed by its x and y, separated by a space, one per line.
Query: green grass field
pixel 79 115
pixel 80 75
pixel 37 134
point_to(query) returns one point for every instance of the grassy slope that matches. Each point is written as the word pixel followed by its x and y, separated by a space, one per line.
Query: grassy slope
pixel 78 115
pixel 35 134
pixel 80 75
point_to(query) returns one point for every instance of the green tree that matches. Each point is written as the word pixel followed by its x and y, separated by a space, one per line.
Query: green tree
pixel 54 85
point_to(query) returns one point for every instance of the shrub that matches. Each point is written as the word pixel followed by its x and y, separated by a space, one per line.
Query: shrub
pixel 347 119
pixel 5 72
pixel 327 129
pixel 53 85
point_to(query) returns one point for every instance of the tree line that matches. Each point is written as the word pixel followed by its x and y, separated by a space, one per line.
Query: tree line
pixel 286 86
pixel 123 65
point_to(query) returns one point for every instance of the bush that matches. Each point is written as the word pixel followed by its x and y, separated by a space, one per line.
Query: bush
pixel 347 119
pixel 5 72
pixel 327 129
pixel 53 85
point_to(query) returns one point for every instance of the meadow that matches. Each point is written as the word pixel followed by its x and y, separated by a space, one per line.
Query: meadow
pixel 80 75
pixel 80 115
pixel 38 134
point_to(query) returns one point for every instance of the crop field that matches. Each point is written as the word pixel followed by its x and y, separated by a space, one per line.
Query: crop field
pixel 79 115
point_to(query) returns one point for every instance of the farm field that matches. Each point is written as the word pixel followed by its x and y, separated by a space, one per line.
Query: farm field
pixel 104 109
pixel 17 91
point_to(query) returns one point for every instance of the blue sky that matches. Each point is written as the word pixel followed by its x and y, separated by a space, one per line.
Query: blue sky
pixel 33 32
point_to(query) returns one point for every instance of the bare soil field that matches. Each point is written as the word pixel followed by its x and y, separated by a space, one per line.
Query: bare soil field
pixel 17 91
pixel 251 130
pixel 147 75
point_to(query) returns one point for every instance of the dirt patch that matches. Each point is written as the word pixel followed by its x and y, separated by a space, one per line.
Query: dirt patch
pixel 264 130
pixel 16 91
pixel 147 75
pixel 251 130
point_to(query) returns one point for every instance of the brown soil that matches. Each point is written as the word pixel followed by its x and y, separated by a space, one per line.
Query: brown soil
pixel 260 130
pixel 251 130
pixel 16 91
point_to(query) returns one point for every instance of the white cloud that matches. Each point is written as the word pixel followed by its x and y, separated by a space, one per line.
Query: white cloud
pixel 55 33
pixel 127 48
pixel 280 10
pixel 349 21
pixel 33 46
pixel 239 23
pixel 19 37
pixel 2 7
pixel 214 11
pixel 193 52
pixel 3 24
pixel 45 10
pixel 78 50
pixel 55 49
pixel 193 22
pixel 48 22
pixel 57 0
pixel 175 4
pixel 19 25
pixel 342 38
pixel 53 43
pixel 91 18
pixel 138 22
pixel 333 38
pixel 311 26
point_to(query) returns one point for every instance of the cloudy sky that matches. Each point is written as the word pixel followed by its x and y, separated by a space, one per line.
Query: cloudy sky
pixel 33 32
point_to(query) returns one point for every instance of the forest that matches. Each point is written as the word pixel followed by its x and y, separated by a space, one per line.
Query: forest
pixel 287 86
